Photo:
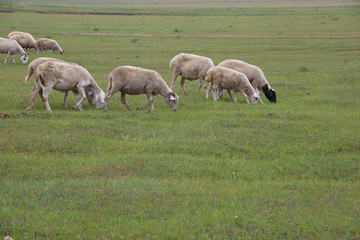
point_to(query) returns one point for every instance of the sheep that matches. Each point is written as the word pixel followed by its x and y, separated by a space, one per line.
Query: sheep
pixel 12 47
pixel 65 77
pixel 26 40
pixel 48 44
pixel 134 81
pixel 190 67
pixel 255 76
pixel 34 65
pixel 226 78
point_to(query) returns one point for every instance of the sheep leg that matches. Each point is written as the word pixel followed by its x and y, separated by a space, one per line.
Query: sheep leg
pixel 46 95
pixel 229 92
pixel 13 58
pixel 235 96
pixel 78 104
pixel 76 94
pixel 123 101
pixel 214 92
pixel 246 97
pixel 257 91
pixel 65 96
pixel 7 56
pixel 202 82
pixel 109 94
pixel 150 102
pixel 173 79
pixel 35 90
pixel 182 84
pixel 208 91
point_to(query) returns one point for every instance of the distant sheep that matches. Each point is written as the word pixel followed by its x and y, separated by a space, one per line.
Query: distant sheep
pixel 226 78
pixel 255 76
pixel 12 47
pixel 48 44
pixel 65 77
pixel 38 61
pixel 134 81
pixel 26 40
pixel 190 67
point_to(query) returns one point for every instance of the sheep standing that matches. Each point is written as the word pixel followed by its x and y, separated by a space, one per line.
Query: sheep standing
pixel 26 40
pixel 48 44
pixel 65 77
pixel 226 78
pixel 12 47
pixel 134 81
pixel 38 61
pixel 190 67
pixel 255 76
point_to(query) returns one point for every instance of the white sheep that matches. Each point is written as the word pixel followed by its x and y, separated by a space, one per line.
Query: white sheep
pixel 26 40
pixel 65 77
pixel 34 65
pixel 12 47
pixel 190 67
pixel 134 81
pixel 48 44
pixel 225 78
pixel 255 76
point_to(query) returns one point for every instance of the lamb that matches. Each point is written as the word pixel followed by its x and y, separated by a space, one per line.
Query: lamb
pixel 26 40
pixel 65 77
pixel 38 61
pixel 226 78
pixel 134 81
pixel 190 67
pixel 48 44
pixel 12 47
pixel 255 76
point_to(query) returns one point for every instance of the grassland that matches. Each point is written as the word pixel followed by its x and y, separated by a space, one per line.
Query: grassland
pixel 211 170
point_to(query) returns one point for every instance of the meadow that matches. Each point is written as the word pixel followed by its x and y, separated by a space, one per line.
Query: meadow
pixel 211 170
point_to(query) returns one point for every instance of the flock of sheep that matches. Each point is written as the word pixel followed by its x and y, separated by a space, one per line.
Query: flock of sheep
pixel 52 73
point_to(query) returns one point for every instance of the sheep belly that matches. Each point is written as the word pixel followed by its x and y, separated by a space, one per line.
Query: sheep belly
pixel 64 86
pixel 133 90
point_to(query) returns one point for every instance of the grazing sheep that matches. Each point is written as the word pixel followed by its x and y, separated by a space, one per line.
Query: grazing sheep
pixel 190 67
pixel 65 77
pixel 48 44
pixel 12 47
pixel 255 76
pixel 226 78
pixel 34 65
pixel 134 81
pixel 26 40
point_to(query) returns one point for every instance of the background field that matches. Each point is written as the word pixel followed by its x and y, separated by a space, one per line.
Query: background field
pixel 216 170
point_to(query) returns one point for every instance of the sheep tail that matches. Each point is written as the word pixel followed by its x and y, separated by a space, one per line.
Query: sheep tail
pixel 29 75
pixel 110 84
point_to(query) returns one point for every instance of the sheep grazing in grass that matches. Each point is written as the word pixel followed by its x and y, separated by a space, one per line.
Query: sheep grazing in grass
pixel 12 47
pixel 134 81
pixel 38 61
pixel 225 78
pixel 26 40
pixel 48 44
pixel 65 77
pixel 255 76
pixel 190 67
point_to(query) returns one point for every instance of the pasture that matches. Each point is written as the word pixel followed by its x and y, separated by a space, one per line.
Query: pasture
pixel 211 170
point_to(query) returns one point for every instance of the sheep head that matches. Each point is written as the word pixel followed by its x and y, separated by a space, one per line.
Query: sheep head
pixel 255 98
pixel 24 58
pixel 269 93
pixel 95 97
pixel 172 100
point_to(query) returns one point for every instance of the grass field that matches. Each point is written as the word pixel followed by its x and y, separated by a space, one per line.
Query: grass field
pixel 211 170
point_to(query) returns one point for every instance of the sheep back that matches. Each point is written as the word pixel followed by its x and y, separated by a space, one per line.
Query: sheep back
pixel 191 66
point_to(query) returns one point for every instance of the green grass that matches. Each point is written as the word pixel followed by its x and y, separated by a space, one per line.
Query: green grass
pixel 211 170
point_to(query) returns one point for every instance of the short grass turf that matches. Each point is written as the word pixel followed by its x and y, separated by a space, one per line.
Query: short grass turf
pixel 211 170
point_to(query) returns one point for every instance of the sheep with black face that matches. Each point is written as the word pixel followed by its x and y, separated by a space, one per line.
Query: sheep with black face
pixel 255 76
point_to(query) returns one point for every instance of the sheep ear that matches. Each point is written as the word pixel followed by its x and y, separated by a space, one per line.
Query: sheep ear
pixel 172 98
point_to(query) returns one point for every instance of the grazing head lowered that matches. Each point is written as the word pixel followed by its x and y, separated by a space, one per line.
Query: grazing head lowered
pixel 95 97
pixel 172 100
pixel 269 93
pixel 24 58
